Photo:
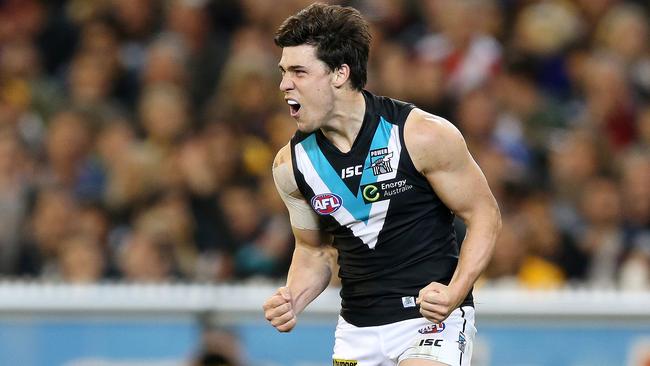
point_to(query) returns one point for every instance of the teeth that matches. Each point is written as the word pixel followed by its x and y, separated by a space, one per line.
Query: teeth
pixel 291 102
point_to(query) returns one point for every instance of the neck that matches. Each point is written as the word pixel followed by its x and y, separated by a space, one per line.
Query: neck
pixel 345 123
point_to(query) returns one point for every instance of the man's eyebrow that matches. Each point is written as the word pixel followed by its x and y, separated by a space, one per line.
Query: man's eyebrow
pixel 292 67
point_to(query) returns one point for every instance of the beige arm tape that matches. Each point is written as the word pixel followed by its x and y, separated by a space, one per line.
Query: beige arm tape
pixel 300 213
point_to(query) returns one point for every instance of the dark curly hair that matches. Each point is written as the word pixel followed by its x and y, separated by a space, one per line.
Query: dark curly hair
pixel 340 35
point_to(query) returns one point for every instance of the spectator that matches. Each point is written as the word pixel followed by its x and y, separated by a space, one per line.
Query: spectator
pixel 81 260
pixel 143 258
pixel 467 57
pixel 15 179
pixel 51 222
pixel 553 258
pixel 602 235
pixel 218 348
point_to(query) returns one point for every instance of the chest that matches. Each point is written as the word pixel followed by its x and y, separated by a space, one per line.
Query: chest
pixel 356 186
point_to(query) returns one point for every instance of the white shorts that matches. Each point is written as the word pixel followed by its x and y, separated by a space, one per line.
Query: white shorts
pixel 387 345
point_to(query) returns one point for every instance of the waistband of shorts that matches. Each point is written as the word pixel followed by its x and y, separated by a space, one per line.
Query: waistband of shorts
pixel 385 311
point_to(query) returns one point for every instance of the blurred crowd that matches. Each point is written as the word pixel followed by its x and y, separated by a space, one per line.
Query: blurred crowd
pixel 136 136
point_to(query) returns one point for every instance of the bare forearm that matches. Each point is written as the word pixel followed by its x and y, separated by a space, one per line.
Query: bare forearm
pixel 477 249
pixel 309 274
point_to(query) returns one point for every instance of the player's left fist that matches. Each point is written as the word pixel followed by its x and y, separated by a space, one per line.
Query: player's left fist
pixel 436 302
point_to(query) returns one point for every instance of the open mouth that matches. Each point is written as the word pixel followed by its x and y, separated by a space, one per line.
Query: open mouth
pixel 294 107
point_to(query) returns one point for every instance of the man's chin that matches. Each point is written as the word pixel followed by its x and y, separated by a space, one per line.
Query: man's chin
pixel 305 127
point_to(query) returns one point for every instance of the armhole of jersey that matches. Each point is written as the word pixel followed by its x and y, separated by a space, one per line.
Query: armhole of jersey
pixel 300 179
pixel 402 132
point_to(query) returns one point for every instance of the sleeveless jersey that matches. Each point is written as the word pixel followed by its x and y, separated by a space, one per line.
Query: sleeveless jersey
pixel 393 234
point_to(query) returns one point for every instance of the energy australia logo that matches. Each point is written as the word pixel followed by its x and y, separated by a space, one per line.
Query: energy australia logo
pixel 380 161
pixel 379 191
pixel 370 193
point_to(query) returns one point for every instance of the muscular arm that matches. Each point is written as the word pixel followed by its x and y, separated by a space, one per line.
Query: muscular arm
pixel 439 152
pixel 313 258
pixel 311 267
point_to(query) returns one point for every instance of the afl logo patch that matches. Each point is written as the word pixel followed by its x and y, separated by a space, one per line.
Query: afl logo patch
pixel 326 203
pixel 433 328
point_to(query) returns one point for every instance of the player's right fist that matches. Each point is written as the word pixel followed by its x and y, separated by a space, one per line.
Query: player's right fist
pixel 278 310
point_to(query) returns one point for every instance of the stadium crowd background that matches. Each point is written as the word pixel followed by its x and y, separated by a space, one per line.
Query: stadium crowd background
pixel 136 136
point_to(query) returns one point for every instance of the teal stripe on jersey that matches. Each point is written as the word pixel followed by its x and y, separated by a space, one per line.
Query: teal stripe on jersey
pixel 379 141
pixel 324 169
pixel 354 204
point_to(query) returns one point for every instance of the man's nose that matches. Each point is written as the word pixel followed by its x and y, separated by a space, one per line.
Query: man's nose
pixel 286 84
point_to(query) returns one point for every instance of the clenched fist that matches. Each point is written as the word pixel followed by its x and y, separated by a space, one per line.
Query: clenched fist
pixel 437 301
pixel 278 310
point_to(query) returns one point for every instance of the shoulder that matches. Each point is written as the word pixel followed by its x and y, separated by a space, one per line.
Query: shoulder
pixel 283 156
pixel 427 128
pixel 432 141
pixel 283 172
pixel 395 110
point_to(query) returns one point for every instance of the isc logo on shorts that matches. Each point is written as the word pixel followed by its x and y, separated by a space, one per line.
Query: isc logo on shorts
pixel 340 362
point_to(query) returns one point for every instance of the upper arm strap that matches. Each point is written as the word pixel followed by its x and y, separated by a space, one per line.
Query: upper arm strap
pixel 301 214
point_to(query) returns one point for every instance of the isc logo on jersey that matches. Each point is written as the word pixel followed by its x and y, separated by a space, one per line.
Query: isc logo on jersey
pixel 326 203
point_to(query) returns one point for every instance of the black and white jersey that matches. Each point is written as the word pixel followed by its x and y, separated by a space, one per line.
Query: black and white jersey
pixel 393 234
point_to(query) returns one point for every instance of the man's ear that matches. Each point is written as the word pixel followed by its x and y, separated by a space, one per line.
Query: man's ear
pixel 340 75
